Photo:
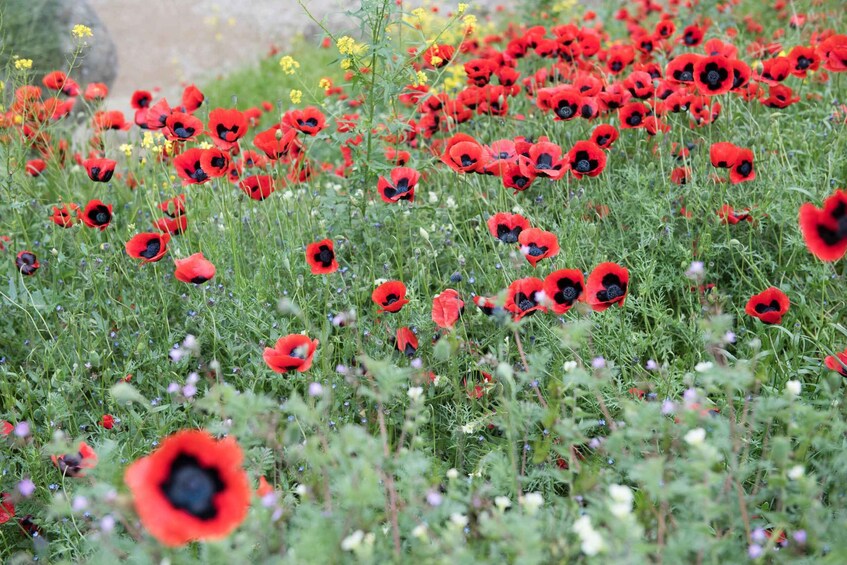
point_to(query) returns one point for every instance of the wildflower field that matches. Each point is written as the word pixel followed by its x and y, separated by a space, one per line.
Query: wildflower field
pixel 547 284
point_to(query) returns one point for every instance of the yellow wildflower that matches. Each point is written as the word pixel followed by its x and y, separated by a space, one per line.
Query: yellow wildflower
pixel 421 78
pixel 470 22
pixel 288 64
pixel 346 45
pixel 126 148
pixel 23 64
pixel 325 84
pixel 346 64
pixel 462 8
pixel 80 31
pixel 296 96
pixel 419 13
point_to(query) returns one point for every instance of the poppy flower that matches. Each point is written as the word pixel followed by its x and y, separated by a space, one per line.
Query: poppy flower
pixel 189 167
pixel 518 176
pixel 837 363
pixel 742 170
pixel 157 115
pixel 97 215
pixel 463 154
pixel 507 227
pixel 680 175
pixel 680 69
pixel 731 217
pixel 7 507
pixel 57 80
pixel 407 341
pixel 258 187
pixel 586 159
pixel 6 428
pixel 639 84
pixel 171 225
pixel 537 244
pixel 545 160
pixel 74 464
pixel 194 269
pixel 182 127
pixel 633 115
pixel 308 120
pixel 174 207
pixel 446 308
pixel 499 155
pixel 96 91
pixel 192 99
pixel 63 216
pixel 107 421
pixel 401 187
pixel 390 296
pixel 523 297
pixel 803 59
pixel 565 103
pixel 34 167
pixel 321 257
pixel 214 162
pixel 149 247
pixel 769 305
pixel 99 170
pixel 140 99
pixel 113 119
pixel 563 288
pixel 276 143
pixel 293 352
pixel 226 127
pixel 607 285
pixel 192 487
pixel 775 70
pixel 779 96
pixel 692 36
pixel 713 75
pixel 487 305
pixel 604 136
pixel 27 263
pixel 825 230
pixel 723 154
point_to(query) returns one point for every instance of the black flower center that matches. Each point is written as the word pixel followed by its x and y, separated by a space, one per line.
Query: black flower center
pixel 745 168
pixel 803 63
pixel 565 110
pixel 544 162
pixel 765 308
pixel 183 131
pixel 152 249
pixel 568 291
pixel 524 302
pixel 192 487
pixel 390 299
pixel 199 279
pixel 537 251
pixel 467 161
pixel 325 256
pixel 100 215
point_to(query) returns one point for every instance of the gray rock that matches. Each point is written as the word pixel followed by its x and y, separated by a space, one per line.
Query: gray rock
pixel 99 61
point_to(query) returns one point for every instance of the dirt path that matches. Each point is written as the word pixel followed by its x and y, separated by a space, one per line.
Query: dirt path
pixel 166 43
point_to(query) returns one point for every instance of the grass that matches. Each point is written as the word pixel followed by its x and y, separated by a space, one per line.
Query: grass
pixel 92 316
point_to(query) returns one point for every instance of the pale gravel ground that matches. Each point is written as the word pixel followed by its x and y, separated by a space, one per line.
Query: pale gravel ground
pixel 166 43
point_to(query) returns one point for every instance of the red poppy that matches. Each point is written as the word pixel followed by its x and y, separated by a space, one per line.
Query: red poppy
pixel 731 217
pixel 64 216
pixel 639 84
pixel 604 136
pixel 157 115
pixel 7 507
pixel 214 162
pixel 34 167
pixel 523 297
pixel 189 167
pixel 607 285
pixel 586 159
pixel 182 127
pixel 507 227
pixel 775 70
pixel 681 68
pixel 487 305
pixel 741 73
pixel 192 487
pixel 99 170
pixel 97 215
pixel 293 352
pixel 779 96
pixel 692 36
pixel 192 99
pixel 837 363
pixel 769 305
pixel 401 187
pixel 96 91
pixel 321 257
pixel 446 308
pixel 194 269
pixel 713 75
pixel 74 464
pixel 803 59
pixel 633 115
pixel 141 99
pixel 308 120
pixel 113 119
pixel 149 247
pixel 463 154
pixel 723 154
pixel 264 488
pixel 563 288
pixel 226 127
pixel 27 263
pixel 834 52
pixel 390 296
pixel 276 143
pixel 545 160
pixel 176 225
pixel 518 176
pixel 680 175
pixel 565 102
pixel 407 341
pixel 174 207
pixel 825 230
pixel 258 187
pixel 499 156
pixel 742 170
pixel 107 421
pixel 537 244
